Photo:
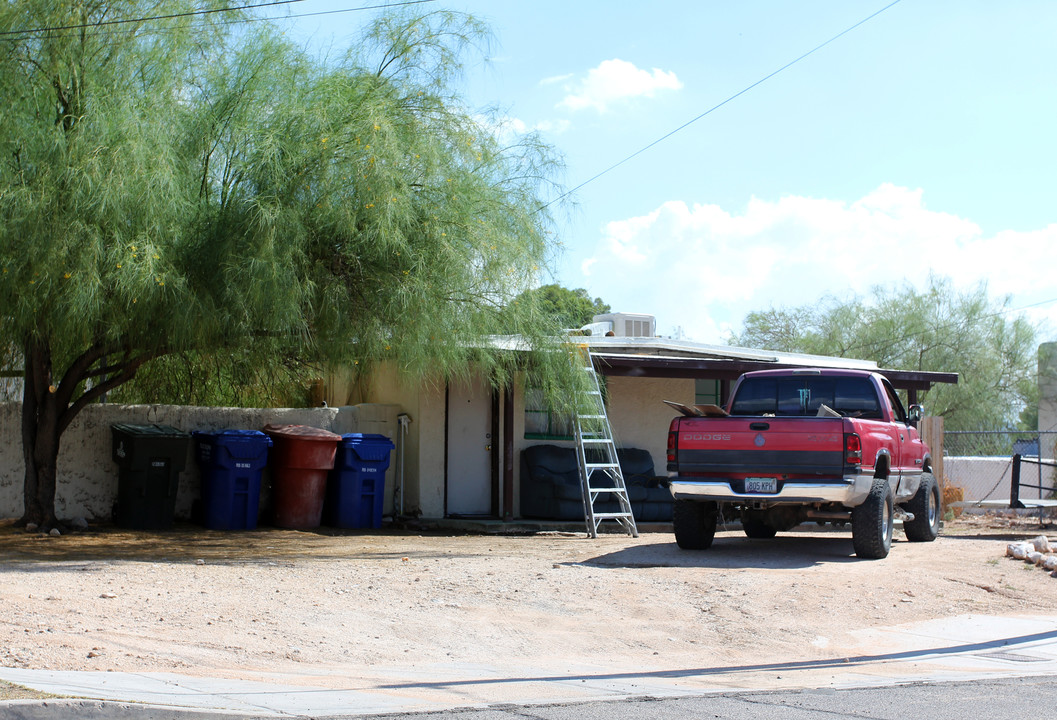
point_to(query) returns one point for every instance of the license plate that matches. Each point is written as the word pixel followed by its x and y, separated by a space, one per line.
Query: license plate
pixel 761 485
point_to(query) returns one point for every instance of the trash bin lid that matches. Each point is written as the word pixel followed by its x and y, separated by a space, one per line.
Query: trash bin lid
pixel 368 446
pixel 301 432
pixel 366 439
pixel 156 431
pixel 232 435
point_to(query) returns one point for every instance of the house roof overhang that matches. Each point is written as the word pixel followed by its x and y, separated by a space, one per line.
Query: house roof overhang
pixel 673 358
pixel 660 366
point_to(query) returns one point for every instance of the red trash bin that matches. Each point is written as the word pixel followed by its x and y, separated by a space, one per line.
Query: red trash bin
pixel 301 459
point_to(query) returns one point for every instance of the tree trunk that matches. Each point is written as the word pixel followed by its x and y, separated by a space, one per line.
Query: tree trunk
pixel 40 436
pixel 49 406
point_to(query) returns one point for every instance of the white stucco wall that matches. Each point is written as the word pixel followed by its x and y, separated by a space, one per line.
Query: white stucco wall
pixel 991 478
pixel 980 478
pixel 431 452
pixel 424 450
pixel 639 416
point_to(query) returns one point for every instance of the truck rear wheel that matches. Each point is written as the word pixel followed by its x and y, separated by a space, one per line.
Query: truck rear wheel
pixel 694 524
pixel 871 522
pixel 925 506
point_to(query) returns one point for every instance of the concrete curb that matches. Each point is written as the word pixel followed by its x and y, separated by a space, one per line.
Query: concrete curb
pixel 105 710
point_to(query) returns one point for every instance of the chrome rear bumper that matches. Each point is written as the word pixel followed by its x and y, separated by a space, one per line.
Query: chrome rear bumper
pixel 849 491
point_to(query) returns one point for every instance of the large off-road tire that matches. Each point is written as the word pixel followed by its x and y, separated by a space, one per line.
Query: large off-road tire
pixel 871 522
pixel 926 508
pixel 758 529
pixel 694 524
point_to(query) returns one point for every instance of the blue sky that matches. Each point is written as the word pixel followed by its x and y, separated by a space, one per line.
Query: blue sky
pixel 924 140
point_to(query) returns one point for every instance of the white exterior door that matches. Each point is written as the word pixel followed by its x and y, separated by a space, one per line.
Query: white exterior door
pixel 469 476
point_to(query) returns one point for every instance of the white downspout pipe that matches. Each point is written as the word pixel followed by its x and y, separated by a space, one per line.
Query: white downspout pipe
pixel 403 419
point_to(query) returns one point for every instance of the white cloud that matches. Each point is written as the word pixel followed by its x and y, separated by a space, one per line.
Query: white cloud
pixel 510 129
pixel 703 268
pixel 556 79
pixel 554 127
pixel 614 81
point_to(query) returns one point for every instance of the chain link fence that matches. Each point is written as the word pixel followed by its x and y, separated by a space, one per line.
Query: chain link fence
pixel 998 443
pixel 980 462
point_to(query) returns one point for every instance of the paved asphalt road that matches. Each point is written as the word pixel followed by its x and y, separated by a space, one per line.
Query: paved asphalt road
pixel 1010 699
pixel 1028 698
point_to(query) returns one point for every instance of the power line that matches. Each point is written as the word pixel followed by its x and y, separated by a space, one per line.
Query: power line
pixel 126 21
pixel 22 34
pixel 719 105
pixel 1033 305
pixel 383 6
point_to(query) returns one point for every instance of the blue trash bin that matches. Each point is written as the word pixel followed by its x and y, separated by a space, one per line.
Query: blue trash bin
pixel 231 462
pixel 356 486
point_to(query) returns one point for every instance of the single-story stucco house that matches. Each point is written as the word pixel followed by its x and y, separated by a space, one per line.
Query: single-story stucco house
pixel 462 446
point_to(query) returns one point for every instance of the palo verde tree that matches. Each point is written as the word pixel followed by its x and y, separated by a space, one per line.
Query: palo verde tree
pixel 939 329
pixel 175 181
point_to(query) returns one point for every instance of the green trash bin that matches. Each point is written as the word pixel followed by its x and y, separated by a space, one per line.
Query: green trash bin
pixel 150 459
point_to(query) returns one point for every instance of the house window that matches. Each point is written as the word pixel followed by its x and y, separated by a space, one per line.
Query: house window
pixel 541 423
pixel 706 392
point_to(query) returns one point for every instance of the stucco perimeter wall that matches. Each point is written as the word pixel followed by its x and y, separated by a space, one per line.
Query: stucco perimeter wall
pixel 88 477
pixel 991 478
pixel 980 478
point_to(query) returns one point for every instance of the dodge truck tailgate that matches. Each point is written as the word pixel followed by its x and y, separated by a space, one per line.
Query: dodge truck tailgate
pixel 773 447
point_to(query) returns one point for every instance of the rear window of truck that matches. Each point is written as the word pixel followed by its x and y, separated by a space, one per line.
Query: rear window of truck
pixel 803 396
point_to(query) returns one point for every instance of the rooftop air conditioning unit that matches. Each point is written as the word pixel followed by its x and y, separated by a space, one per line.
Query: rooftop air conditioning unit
pixel 629 324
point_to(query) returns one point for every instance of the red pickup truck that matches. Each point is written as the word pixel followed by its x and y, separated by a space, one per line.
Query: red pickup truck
pixel 793 446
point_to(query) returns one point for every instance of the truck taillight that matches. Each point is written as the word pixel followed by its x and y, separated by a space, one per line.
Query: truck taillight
pixel 852 449
pixel 673 436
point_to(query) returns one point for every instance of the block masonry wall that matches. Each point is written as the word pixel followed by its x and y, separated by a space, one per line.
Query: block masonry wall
pixel 87 475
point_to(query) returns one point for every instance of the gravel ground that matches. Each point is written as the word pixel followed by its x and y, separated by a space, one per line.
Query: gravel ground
pixel 332 606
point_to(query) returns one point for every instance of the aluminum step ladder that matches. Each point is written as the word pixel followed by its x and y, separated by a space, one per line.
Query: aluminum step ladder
pixel 601 478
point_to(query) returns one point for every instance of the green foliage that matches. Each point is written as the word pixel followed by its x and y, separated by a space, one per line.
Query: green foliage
pixel 201 188
pixel 938 329
pixel 568 308
pixel 235 378
pixel 206 186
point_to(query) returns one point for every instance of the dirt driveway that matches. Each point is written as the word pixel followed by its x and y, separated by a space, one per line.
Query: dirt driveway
pixel 330 607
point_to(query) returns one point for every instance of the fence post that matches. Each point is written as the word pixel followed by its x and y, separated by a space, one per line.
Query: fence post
pixel 932 435
pixel 1014 484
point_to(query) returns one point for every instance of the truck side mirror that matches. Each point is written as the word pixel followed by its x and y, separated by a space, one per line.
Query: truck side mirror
pixel 915 413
